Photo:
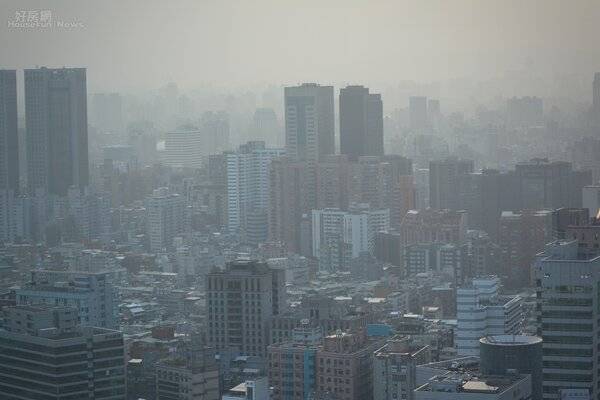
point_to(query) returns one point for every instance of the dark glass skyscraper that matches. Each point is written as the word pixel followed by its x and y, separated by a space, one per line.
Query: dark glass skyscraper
pixel 361 122
pixel 57 137
pixel 9 140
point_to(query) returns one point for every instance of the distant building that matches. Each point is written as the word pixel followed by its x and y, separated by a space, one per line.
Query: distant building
pixel 361 122
pixel 34 337
pixel 256 389
pixel 9 155
pixel 248 188
pixel 340 236
pixel 57 129
pixel 165 218
pixel 444 182
pixel 430 226
pixel 309 122
pixel 185 148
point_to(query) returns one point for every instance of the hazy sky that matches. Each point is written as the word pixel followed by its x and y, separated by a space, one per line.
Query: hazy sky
pixel 134 44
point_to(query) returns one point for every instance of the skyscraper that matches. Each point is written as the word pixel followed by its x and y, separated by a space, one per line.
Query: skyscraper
pixel 9 140
pixel 568 283
pixel 57 137
pixel 309 121
pixel 361 122
pixel 248 183
pixel 165 218
pixel 9 154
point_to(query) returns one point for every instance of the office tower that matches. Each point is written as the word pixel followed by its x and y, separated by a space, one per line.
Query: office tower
pixel 165 218
pixel 107 113
pixel 295 359
pixel 242 300
pixel 522 235
pixel 545 184
pixel 340 236
pixel 9 139
pixel 248 185
pixel 417 109
pixel 44 353
pixel 434 113
pixel 56 122
pixel 266 127
pixel 9 154
pixel 524 111
pixel 333 182
pixel 445 177
pixel 351 353
pixel 567 312
pixel 361 122
pixel 185 148
pixel 430 226
pixel 92 293
pixel 395 368
pixel 513 352
pixel 309 122
pixel 481 312
pixel 190 373
pixel 288 202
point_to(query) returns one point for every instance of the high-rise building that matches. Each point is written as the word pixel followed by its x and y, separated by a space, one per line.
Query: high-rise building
pixel 340 236
pixel 545 184
pixel 57 136
pixel 333 182
pixel 266 127
pixel 445 177
pixel 248 180
pixel 521 236
pixel 165 218
pixel 417 108
pixel 361 122
pixel 289 201
pixel 395 368
pixel 185 148
pixel 45 354
pixel 92 293
pixel 309 122
pixel 241 301
pixel 568 283
pixel 481 312
pixel 9 140
pixel 430 226
pixel 9 154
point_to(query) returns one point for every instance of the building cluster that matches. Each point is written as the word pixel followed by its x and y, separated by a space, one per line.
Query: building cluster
pixel 187 263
